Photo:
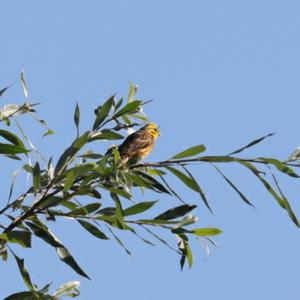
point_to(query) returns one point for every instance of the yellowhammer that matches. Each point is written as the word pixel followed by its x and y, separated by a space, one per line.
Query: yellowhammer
pixel 139 144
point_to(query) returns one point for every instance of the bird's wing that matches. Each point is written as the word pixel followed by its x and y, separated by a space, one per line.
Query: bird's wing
pixel 134 142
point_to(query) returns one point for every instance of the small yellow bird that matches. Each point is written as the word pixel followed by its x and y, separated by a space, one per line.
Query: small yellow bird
pixel 139 144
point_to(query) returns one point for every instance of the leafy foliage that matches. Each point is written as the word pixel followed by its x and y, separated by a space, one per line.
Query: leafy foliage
pixel 57 188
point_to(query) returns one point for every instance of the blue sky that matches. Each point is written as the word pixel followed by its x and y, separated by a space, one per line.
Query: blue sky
pixel 221 73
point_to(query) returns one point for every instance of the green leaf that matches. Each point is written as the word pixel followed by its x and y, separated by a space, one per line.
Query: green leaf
pixel 192 151
pixel 67 258
pixel 41 231
pixel 188 253
pixel 23 84
pixel 36 176
pixel 106 135
pixel 70 152
pixel 119 241
pixel 91 155
pixel 130 107
pixel 75 172
pixel 69 289
pixel 253 143
pixel 24 273
pixel 48 132
pixel 206 231
pixel 280 166
pixel 70 178
pixel 93 230
pixel 77 118
pixel 281 200
pixel 191 182
pixel 119 192
pixel 152 183
pixel 11 149
pixel 3 90
pixel 175 212
pixel 138 208
pixel 20 237
pixel 217 159
pixel 119 211
pixel 12 138
pixel 103 112
pixel 84 210
pixel 243 197
pixel 26 296
pixel 132 91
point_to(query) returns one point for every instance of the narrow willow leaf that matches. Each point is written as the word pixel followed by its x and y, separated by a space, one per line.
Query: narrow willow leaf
pixel 119 211
pixel 106 135
pixel 67 258
pixel 68 289
pixel 70 152
pixel 24 273
pixel 70 205
pixel 3 90
pixel 175 212
pixel 129 108
pixel 192 151
pixel 12 138
pixel 138 208
pixel 286 203
pixel 132 230
pixel 118 104
pixel 282 201
pixel 26 296
pixel 217 159
pixel 119 241
pixel 84 210
pixel 280 166
pixel 41 231
pixel 45 289
pixel 156 222
pixel 155 172
pixel 93 230
pixel 160 239
pixel 77 118
pixel 119 192
pixel 152 183
pixel 191 183
pixel 253 143
pixel 36 177
pixel 83 168
pixel 70 178
pixel 20 237
pixel 12 149
pixel 132 91
pixel 91 155
pixel 206 231
pixel 23 84
pixel 103 112
pixel 182 250
pixel 189 254
pixel 10 110
pixel 243 197
pixel 170 188
pixel 48 132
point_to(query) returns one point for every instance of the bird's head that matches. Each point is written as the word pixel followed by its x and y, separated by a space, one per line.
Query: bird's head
pixel 153 129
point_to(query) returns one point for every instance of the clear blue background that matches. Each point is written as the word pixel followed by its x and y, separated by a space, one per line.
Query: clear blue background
pixel 222 73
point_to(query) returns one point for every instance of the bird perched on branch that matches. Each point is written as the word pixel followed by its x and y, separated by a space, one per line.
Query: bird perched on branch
pixel 139 144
